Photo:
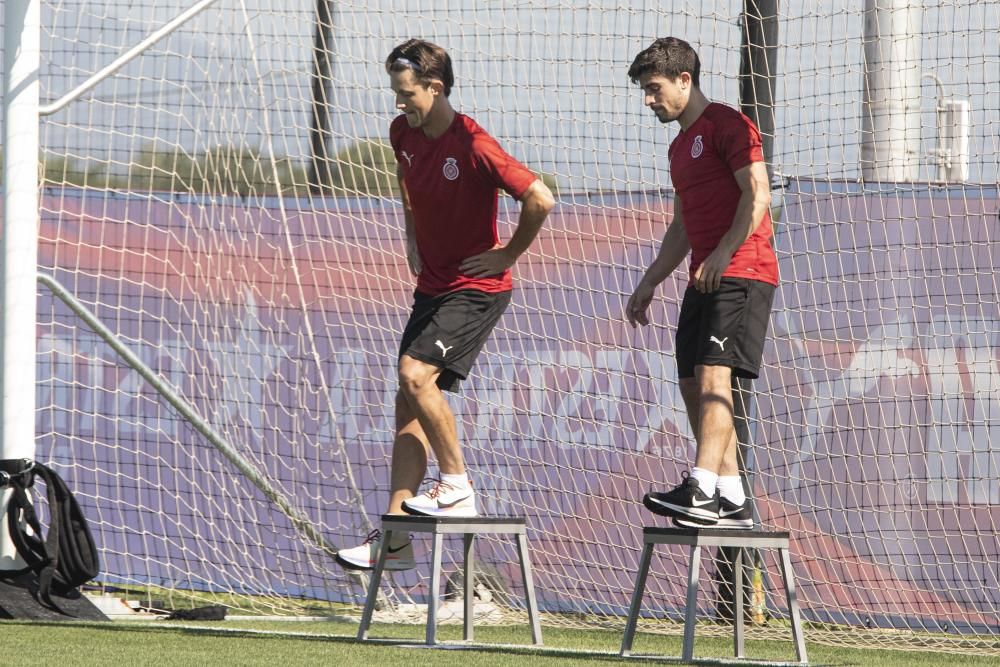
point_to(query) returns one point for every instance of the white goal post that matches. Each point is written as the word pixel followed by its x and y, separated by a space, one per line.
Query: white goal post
pixel 18 244
pixel 216 190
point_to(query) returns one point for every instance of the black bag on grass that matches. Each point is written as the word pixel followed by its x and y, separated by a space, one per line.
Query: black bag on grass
pixel 67 556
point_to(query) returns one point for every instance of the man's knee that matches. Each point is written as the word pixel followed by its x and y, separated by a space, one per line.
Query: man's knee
pixel 415 376
pixel 713 378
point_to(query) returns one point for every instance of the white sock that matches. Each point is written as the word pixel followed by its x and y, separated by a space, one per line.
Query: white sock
pixel 731 488
pixel 706 480
pixel 458 482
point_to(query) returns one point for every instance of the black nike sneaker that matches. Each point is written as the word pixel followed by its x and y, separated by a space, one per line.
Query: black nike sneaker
pixel 686 501
pixel 731 515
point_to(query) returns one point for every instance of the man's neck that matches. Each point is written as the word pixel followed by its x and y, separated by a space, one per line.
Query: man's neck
pixel 439 120
pixel 695 107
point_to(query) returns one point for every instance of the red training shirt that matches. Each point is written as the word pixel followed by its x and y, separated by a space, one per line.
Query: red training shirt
pixel 452 182
pixel 703 159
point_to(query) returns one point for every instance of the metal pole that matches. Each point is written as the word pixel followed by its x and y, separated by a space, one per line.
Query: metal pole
pixel 125 58
pixel 890 112
pixel 320 172
pixel 19 244
pixel 758 63
pixel 299 520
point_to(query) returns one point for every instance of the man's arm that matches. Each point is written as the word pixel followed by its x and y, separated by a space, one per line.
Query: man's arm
pixel 412 254
pixel 536 202
pixel 755 198
pixel 673 249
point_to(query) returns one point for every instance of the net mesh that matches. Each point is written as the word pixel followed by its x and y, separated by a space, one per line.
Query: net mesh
pixel 182 204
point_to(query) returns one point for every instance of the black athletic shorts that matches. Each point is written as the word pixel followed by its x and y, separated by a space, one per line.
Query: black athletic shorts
pixel 449 330
pixel 726 327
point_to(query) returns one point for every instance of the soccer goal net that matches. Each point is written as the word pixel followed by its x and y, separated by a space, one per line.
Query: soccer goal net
pixel 223 205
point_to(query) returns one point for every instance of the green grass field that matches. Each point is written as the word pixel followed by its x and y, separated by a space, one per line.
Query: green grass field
pixel 286 644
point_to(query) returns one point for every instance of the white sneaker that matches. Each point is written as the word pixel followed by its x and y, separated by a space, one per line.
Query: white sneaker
pixel 365 555
pixel 442 499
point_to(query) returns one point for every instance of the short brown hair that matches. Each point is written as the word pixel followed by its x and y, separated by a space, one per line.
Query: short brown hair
pixel 427 61
pixel 669 57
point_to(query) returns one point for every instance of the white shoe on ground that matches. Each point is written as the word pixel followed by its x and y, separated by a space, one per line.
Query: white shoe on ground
pixel 365 555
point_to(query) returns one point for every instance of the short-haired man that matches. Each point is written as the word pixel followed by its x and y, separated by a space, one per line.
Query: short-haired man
pixel 449 171
pixel 721 215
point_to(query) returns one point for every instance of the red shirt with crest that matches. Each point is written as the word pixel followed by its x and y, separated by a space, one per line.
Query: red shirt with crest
pixel 703 159
pixel 453 183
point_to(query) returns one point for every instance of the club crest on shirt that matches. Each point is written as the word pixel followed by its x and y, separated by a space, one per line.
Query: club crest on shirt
pixel 697 148
pixel 450 168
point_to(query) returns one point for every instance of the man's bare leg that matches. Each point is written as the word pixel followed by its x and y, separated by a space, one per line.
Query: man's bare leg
pixel 409 465
pixel 418 385
pixel 716 434
pixel 708 398
pixel 691 393
pixel 409 456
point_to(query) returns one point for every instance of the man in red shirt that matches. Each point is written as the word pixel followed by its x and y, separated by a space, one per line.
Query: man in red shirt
pixel 449 171
pixel 721 215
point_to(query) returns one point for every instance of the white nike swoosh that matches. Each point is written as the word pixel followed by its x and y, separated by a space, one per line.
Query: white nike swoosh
pixel 696 503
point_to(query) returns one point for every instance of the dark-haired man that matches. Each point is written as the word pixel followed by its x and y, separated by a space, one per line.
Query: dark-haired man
pixel 721 216
pixel 449 171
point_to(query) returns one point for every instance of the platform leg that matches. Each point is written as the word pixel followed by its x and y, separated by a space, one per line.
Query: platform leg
pixel 738 644
pixel 435 589
pixel 793 605
pixel 690 612
pixel 373 584
pixel 635 607
pixel 529 588
pixel 469 585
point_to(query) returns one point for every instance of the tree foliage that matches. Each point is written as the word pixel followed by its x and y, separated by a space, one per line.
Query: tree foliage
pixel 363 169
